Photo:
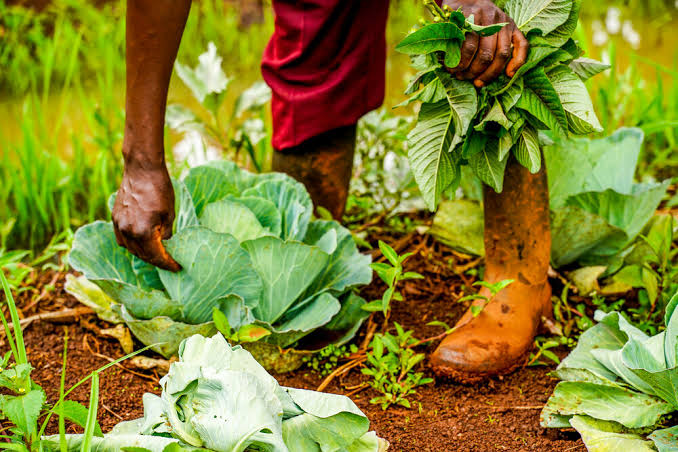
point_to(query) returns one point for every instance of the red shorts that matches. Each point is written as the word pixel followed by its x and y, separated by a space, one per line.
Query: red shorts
pixel 325 65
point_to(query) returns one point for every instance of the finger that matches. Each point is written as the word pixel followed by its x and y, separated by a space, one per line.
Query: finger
pixel 520 49
pixel 501 56
pixel 468 51
pixel 118 235
pixel 151 249
pixel 486 49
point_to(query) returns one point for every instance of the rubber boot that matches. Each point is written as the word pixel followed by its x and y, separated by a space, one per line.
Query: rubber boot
pixel 323 164
pixel 517 247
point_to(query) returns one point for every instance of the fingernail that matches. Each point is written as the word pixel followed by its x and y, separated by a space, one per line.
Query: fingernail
pixel 478 83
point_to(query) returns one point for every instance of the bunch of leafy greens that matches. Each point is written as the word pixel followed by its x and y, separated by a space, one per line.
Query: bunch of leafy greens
pixel 218 398
pixel 597 210
pixel 617 385
pixel 458 124
pixel 249 252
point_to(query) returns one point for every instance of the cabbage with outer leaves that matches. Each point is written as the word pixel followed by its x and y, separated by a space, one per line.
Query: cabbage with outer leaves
pixel 249 248
pixel 618 384
pixel 218 398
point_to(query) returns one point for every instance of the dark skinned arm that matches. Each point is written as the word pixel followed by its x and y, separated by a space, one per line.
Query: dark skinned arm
pixel 143 213
pixel 484 59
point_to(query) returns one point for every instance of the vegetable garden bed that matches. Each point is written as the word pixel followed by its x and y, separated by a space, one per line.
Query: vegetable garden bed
pixel 502 414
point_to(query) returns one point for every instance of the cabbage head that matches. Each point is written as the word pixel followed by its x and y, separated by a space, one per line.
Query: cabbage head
pixel 218 398
pixel 249 249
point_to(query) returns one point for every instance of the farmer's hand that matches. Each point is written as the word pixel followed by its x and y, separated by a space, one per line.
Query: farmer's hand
pixel 143 214
pixel 484 59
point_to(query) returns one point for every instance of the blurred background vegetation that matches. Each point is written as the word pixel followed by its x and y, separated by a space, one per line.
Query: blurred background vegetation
pixel 62 94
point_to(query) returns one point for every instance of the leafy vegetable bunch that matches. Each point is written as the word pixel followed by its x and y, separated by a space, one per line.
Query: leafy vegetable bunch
pixel 249 252
pixel 618 383
pixel 218 398
pixel 458 124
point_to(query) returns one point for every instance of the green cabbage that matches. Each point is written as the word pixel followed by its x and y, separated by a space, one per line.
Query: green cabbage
pixel 218 398
pixel 249 248
pixel 618 384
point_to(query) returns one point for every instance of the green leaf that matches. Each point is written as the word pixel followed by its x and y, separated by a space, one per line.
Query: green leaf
pixel 291 199
pixel 601 436
pixel 253 98
pixel 184 209
pixel 611 403
pixel 581 164
pixel 434 91
pixel 24 410
pixel 585 68
pixel 329 422
pixel 213 266
pixel 304 318
pixel 560 35
pixel 374 306
pixel 206 185
pixel 221 322
pixel 543 15
pixel 629 213
pixel 527 150
pixel 575 99
pixel 429 146
pixel 486 30
pixel 227 217
pixel 164 332
pixel 181 119
pixel 495 115
pixel 459 225
pixel 96 254
pixel 463 100
pixel 665 439
pixel 388 252
pixel 207 78
pixel 541 100
pixel 488 167
pixel 432 38
pixel 252 333
pixel 346 267
pixel 509 98
pixel 286 269
pixel 266 212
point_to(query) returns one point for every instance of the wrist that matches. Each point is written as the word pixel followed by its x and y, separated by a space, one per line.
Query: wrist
pixel 139 155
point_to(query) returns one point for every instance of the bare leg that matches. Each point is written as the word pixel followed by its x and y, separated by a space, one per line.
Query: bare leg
pixel 323 164
pixel 517 247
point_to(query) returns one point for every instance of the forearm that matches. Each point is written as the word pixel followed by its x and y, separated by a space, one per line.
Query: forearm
pixel 154 29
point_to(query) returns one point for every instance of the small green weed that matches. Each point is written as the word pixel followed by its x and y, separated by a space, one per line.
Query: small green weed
pixel 390 365
pixel 391 273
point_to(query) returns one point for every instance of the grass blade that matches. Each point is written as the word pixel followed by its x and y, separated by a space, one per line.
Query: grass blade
pixel 91 414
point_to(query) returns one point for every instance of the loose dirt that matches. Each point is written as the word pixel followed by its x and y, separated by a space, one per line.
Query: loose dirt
pixel 501 414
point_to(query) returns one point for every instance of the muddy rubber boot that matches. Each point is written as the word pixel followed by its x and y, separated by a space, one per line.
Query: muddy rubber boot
pixel 323 164
pixel 517 247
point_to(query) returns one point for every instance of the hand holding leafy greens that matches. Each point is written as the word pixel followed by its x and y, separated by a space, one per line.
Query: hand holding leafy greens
pixel 617 385
pixel 218 398
pixel 458 125
pixel 250 253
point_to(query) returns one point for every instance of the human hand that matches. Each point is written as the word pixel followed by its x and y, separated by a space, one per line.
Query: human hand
pixel 484 58
pixel 143 215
